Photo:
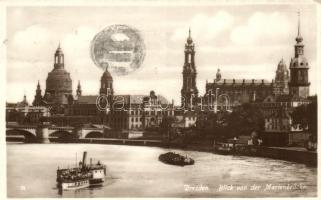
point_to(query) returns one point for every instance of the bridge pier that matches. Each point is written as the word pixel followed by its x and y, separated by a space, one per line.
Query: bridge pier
pixel 42 134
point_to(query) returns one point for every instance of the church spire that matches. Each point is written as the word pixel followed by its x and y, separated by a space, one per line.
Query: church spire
pixel 24 98
pixel 299 23
pixel 299 38
pixel 189 39
pixel 38 97
pixel 78 89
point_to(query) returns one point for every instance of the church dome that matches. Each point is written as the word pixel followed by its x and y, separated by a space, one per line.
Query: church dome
pixel 58 83
pixel 106 75
pixel 59 79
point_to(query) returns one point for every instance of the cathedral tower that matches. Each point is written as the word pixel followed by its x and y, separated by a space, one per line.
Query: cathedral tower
pixel 106 83
pixel 299 80
pixel 189 91
pixel 106 88
pixel 58 83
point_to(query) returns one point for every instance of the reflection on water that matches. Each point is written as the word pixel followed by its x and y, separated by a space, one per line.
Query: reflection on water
pixel 136 172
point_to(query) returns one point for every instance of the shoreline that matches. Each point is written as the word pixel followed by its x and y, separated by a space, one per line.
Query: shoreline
pixel 297 155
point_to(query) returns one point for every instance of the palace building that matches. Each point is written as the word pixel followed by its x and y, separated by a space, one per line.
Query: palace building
pixel 120 112
pixel 227 93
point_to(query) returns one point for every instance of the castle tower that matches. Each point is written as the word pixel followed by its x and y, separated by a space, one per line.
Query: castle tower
pixel 58 83
pixel 38 97
pixel 281 79
pixel 299 80
pixel 189 92
pixel 78 92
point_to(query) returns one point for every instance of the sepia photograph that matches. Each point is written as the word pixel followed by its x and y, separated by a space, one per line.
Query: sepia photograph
pixel 160 99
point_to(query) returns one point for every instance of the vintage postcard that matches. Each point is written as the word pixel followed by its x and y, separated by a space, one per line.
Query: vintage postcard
pixel 160 99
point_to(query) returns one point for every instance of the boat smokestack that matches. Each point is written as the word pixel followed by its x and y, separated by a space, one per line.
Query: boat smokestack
pixel 84 158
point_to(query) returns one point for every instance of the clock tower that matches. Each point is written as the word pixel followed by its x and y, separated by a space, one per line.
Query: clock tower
pixel 299 80
pixel 189 92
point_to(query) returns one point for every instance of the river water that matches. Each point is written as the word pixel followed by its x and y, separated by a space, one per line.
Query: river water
pixel 134 171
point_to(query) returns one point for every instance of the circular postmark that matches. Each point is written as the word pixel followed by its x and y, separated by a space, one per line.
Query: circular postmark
pixel 119 47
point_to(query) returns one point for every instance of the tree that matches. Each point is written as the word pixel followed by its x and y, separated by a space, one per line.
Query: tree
pixel 306 117
pixel 166 126
pixel 212 125
pixel 244 120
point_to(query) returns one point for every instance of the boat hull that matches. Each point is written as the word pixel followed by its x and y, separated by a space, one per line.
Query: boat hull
pixel 74 185
pixel 175 159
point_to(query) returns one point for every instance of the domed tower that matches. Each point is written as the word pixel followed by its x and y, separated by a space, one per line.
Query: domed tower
pixel 299 80
pixel 189 92
pixel 106 83
pixel 58 83
pixel 38 98
pixel 281 79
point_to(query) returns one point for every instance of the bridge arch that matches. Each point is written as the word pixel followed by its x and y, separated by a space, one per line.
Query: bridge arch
pixel 94 134
pixel 29 136
pixel 60 134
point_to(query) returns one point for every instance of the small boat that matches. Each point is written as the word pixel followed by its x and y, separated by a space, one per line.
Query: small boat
pixel 175 159
pixel 81 176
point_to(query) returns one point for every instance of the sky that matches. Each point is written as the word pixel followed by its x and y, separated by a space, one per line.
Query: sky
pixel 244 41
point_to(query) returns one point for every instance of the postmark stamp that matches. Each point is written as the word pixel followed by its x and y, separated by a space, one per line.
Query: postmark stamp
pixel 121 48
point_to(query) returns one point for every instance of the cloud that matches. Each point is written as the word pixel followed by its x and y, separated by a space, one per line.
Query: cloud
pixel 77 44
pixel 205 27
pixel 262 27
pixel 29 42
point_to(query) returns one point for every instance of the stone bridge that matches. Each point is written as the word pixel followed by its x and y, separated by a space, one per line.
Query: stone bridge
pixel 42 133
